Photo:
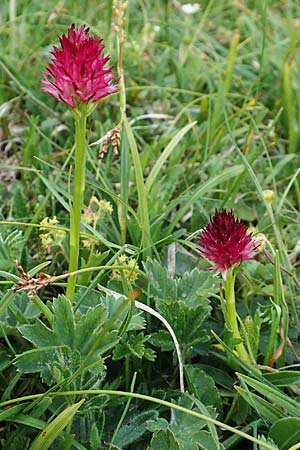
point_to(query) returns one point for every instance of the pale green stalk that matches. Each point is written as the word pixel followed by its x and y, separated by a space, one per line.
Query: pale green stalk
pixel 76 207
pixel 231 316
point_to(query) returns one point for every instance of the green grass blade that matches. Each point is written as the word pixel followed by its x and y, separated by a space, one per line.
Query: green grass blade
pixel 274 395
pixel 54 429
pixel 165 154
pixel 5 301
pixel 264 408
pixel 109 11
pixel 143 213
pixel 286 191
pixel 159 401
pixel 280 300
pixel 203 188
pixel 124 190
pixel 212 428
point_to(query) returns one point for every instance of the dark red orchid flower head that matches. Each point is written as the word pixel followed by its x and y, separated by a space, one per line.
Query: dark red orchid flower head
pixel 226 242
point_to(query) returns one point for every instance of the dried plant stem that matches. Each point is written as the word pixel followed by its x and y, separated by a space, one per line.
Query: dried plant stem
pixel 76 206
pixel 119 11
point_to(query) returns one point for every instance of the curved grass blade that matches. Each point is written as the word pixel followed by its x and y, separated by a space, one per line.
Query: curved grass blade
pixel 142 196
pixel 165 154
pixel 203 188
pixel 274 395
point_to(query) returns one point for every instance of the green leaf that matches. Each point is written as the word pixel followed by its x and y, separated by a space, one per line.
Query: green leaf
pixel 94 260
pixel 137 322
pixel 109 10
pixel 285 432
pixel 203 387
pixel 92 320
pixel 212 435
pixel 108 340
pixel 283 377
pixel 94 437
pixel 38 359
pixel 133 345
pixel 54 429
pixel 38 334
pixel 164 440
pixel 134 429
pixel 17 441
pixel 186 322
pixel 9 414
pixel 37 269
pixel 207 442
pixel 26 306
pixel 55 192
pixel 11 244
pixel 162 287
pixel 9 276
pixel 220 377
pixel 29 421
pixel 157 425
pixel 67 443
pixel 264 408
pixel 63 324
pixel 163 340
pixel 182 302
pixel 5 301
pixel 186 428
pixel 277 397
pixel 4 357
pixel 20 310
pixel 195 285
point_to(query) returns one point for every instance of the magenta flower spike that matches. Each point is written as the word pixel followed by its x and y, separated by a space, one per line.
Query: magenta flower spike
pixel 77 71
pixel 77 76
pixel 225 242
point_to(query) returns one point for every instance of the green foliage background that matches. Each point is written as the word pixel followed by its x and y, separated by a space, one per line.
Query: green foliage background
pixel 213 113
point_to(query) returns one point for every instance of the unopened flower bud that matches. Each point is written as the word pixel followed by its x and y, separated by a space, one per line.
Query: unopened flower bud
pixel 259 242
pixel 269 196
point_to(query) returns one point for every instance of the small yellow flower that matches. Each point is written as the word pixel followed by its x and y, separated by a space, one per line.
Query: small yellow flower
pixel 129 270
pixel 50 237
pixel 96 210
pixel 87 243
pixel 105 206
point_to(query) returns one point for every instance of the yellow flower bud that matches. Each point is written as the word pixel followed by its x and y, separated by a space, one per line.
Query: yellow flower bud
pixel 269 196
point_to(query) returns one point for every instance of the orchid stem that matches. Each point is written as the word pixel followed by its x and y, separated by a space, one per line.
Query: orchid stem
pixel 232 315
pixel 76 207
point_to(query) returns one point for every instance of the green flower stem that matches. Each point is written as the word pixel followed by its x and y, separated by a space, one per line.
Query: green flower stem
pixel 231 320
pixel 76 207
pixel 143 397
